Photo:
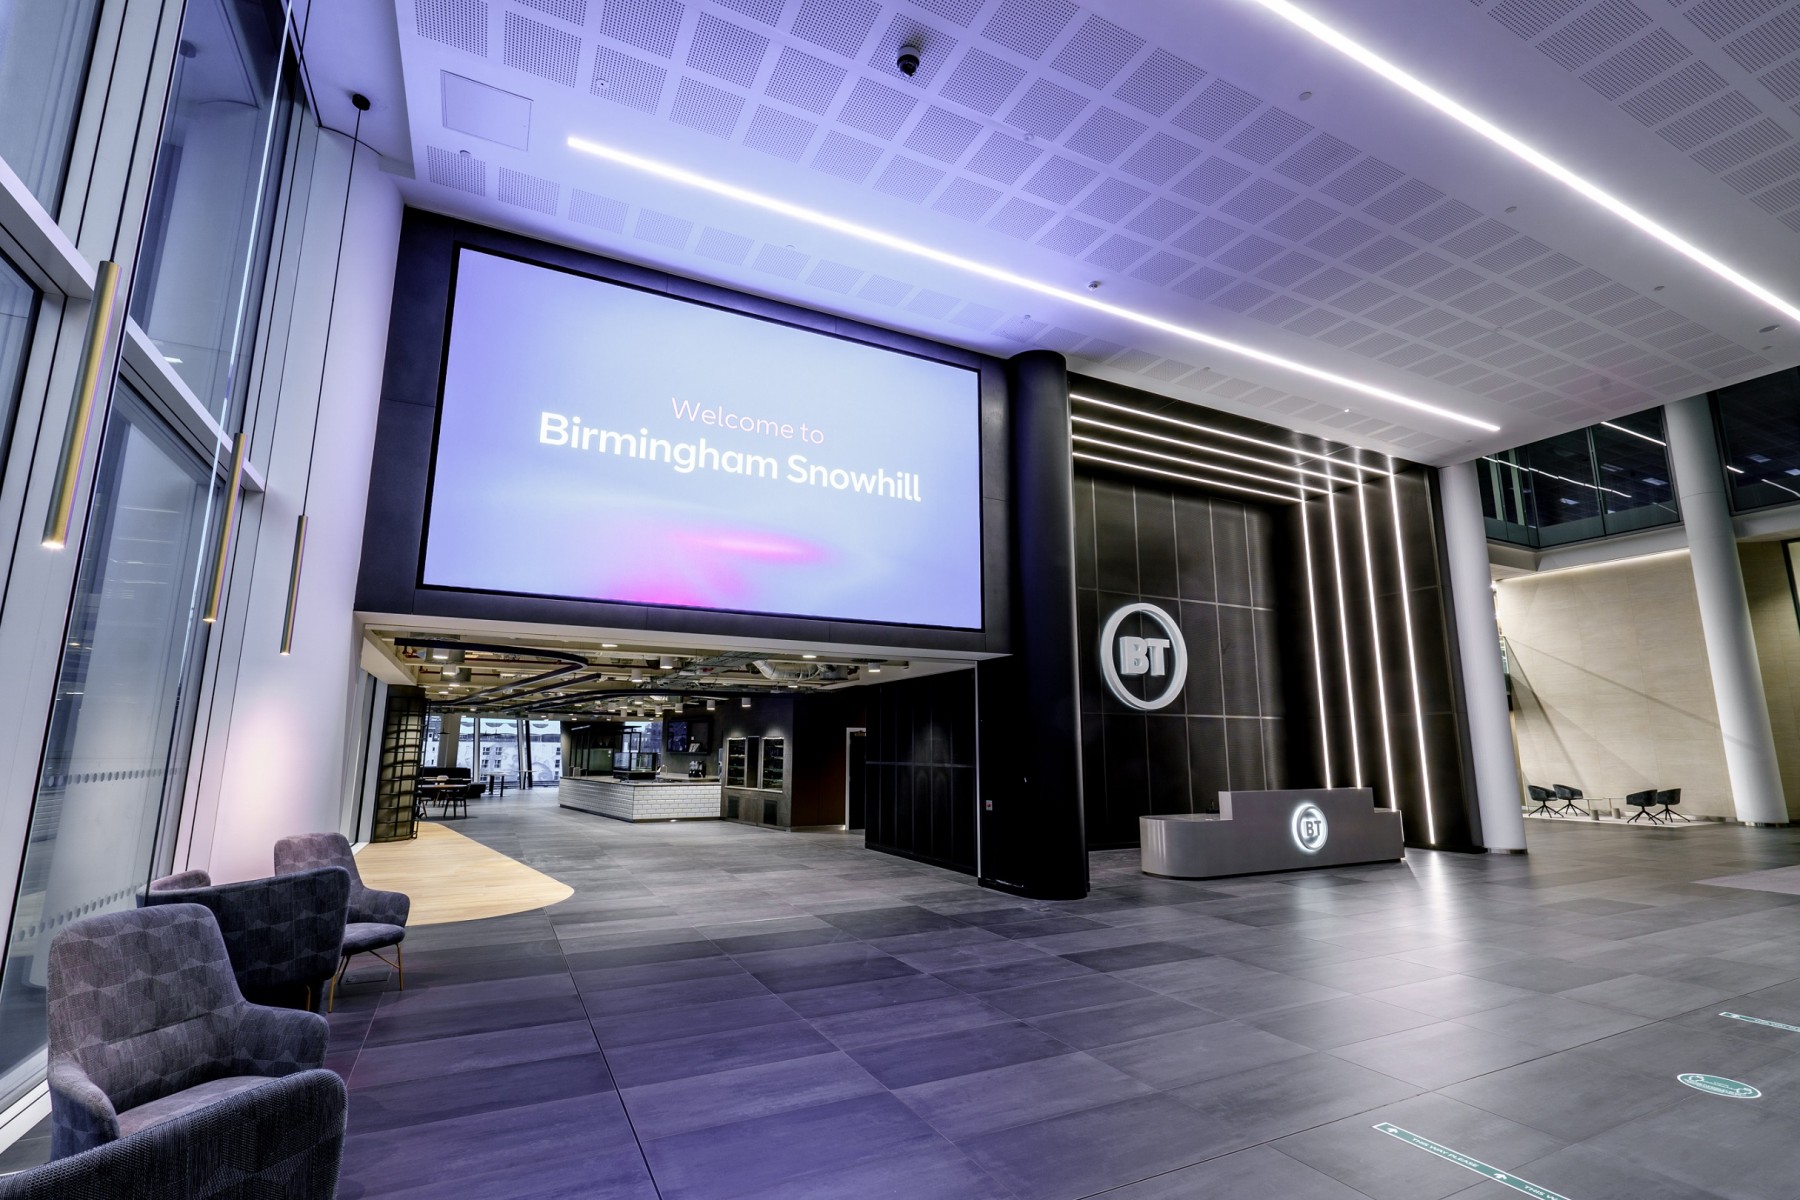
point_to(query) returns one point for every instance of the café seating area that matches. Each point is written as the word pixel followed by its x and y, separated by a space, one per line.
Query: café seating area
pixel 1654 805
pixel 186 1042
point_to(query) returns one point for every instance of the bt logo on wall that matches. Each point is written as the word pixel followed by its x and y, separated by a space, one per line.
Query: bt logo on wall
pixel 1154 659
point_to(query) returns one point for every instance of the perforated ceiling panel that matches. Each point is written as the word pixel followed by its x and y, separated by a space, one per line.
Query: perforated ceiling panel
pixel 1063 133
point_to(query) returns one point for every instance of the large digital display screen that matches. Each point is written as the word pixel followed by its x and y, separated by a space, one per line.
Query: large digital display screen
pixel 600 442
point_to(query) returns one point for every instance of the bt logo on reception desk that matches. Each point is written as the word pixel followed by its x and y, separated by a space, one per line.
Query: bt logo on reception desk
pixel 1309 828
pixel 1157 660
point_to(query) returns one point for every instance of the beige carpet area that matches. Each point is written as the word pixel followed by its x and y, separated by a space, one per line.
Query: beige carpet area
pixel 454 878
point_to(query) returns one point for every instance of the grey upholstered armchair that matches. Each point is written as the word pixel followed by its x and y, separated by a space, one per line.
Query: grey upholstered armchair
pixel 181 881
pixel 377 918
pixel 146 1023
pixel 284 933
pixel 283 1138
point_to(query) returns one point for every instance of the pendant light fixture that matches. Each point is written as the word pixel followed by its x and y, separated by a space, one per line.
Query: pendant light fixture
pixel 292 611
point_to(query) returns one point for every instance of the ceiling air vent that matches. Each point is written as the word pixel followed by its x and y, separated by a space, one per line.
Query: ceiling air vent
pixel 845 157
pixel 651 25
pixel 572 11
pixel 1160 81
pixel 967 199
pixel 626 80
pixel 959 11
pixel 1161 268
pixel 1046 110
pixel 1268 136
pixel 1097 53
pixel 662 229
pixel 1003 158
pixel 724 247
pixel 840 26
pixel 726 51
pixel 1029 26
pixel 1020 218
pixel 883 290
pixel 834 276
pixel 981 82
pixel 1111 200
pixel 602 212
pixel 706 108
pixel 781 260
pixel 805 82
pixel 535 47
pixel 778 133
pixel 942 135
pixel 462 171
pixel 876 109
pixel 766 11
pixel 528 191
pixel 459 23
pixel 908 179
pixel 1218 108
pixel 1105 135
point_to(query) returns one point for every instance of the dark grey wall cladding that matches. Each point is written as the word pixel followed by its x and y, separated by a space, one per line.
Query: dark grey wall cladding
pixel 920 798
pixel 1208 562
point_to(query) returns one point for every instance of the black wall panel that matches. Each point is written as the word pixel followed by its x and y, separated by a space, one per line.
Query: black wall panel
pixel 921 769
pixel 1208 562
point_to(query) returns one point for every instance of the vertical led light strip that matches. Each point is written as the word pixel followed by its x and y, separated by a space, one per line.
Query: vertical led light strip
pixel 1318 654
pixel 1387 740
pixel 1412 658
pixel 1337 570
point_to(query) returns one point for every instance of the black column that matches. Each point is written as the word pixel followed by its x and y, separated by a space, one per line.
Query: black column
pixel 1033 839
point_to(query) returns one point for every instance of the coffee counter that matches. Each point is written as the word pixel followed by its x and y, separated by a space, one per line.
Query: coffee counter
pixel 641 799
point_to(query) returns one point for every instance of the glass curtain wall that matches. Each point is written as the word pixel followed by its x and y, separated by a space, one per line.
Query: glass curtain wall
pixel 120 723
pixel 546 752
pixel 1606 479
pixel 1759 428
pixel 45 46
pixel 18 314
pixel 206 239
pixel 500 748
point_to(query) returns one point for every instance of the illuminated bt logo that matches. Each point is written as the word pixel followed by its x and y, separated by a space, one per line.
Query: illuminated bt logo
pixel 1156 660
pixel 1309 828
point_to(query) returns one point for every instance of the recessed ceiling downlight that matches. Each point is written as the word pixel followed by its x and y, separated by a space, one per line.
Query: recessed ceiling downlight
pixel 1357 52
pixel 866 233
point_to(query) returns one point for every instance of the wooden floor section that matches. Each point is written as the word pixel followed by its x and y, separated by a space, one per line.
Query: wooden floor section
pixel 454 878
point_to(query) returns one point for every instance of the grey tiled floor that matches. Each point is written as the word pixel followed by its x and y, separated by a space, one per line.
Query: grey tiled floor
pixel 722 1011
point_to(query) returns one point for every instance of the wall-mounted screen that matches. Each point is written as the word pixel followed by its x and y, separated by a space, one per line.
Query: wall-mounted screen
pixel 600 442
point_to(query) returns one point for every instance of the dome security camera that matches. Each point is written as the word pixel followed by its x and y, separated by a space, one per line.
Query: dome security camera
pixel 908 61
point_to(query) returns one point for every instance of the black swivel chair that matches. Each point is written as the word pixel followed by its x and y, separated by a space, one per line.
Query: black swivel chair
pixel 1643 802
pixel 1669 798
pixel 1543 796
pixel 1569 795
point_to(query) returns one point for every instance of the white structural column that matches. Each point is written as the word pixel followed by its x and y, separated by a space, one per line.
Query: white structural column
pixel 1750 760
pixel 1496 768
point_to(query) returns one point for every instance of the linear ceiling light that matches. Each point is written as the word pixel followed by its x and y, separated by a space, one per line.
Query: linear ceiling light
pixel 1088 440
pixel 1113 462
pixel 1205 449
pixel 813 216
pixel 1225 433
pixel 1634 433
pixel 1356 51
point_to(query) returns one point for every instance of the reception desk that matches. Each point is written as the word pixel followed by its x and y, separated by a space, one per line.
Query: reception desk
pixel 641 799
pixel 1272 831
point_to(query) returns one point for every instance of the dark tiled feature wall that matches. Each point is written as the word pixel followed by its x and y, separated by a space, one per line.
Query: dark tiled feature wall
pixel 920 793
pixel 885 1028
pixel 1207 562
